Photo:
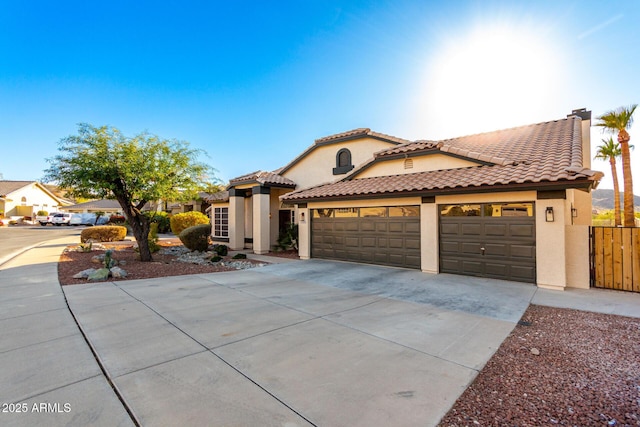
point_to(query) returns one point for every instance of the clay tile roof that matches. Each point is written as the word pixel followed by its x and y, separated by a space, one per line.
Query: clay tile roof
pixel 263 178
pixel 341 135
pixel 544 152
pixel 220 196
pixel 408 147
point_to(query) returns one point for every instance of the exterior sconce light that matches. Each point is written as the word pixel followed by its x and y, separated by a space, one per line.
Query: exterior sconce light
pixel 574 213
pixel 548 215
pixel 301 216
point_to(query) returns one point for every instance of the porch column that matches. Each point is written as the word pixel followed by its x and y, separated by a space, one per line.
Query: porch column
pixel 261 220
pixel 236 219
pixel 304 231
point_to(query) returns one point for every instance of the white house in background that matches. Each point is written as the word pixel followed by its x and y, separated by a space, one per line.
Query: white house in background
pixel 26 198
pixel 510 204
pixel 109 207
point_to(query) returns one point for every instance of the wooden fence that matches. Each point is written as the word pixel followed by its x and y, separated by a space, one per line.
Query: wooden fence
pixel 615 258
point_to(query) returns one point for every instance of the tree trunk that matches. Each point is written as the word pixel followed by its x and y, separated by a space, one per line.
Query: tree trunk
pixel 139 226
pixel 623 139
pixel 616 192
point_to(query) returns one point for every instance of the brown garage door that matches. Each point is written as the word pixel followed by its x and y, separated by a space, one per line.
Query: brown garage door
pixel 378 235
pixel 494 240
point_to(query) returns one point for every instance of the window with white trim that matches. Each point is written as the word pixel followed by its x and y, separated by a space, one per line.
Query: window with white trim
pixel 221 222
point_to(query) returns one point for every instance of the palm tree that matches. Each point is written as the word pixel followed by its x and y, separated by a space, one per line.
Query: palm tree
pixel 620 120
pixel 609 150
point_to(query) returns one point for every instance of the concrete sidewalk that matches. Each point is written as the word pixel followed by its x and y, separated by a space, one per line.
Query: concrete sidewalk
pixel 48 374
pixel 298 343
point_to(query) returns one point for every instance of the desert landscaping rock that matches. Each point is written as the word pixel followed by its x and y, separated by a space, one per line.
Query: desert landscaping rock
pixel 117 272
pixel 99 274
pixel 84 274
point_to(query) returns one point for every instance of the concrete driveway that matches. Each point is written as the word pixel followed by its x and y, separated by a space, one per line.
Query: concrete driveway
pixel 303 343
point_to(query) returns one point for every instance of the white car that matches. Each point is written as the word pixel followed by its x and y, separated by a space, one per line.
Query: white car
pixel 61 218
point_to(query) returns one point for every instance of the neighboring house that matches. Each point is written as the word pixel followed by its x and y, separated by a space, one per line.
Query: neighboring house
pixel 200 205
pixel 512 204
pixel 26 198
pixel 108 206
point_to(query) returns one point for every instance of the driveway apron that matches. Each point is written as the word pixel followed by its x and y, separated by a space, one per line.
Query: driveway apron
pixel 303 343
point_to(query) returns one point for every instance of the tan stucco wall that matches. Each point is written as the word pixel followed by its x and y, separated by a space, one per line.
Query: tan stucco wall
pixel 429 246
pixel 577 256
pixel 35 196
pixel 317 166
pixel 424 163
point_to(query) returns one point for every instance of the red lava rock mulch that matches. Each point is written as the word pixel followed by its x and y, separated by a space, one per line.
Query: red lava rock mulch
pixel 72 262
pixel 587 373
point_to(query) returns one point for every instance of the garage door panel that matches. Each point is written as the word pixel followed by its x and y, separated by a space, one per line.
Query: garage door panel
pixel 523 273
pixel 368 242
pixel 351 242
pixel 367 225
pixel 382 227
pixel 509 246
pixel 412 227
pixel 523 251
pixel 522 230
pixel 496 249
pixel 470 248
pixel 396 243
pixel 498 230
pixel 448 229
pixel 471 229
pixel 396 227
pixel 411 243
pixel 472 267
pixel 351 227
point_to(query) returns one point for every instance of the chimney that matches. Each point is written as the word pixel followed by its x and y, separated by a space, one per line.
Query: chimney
pixel 586 134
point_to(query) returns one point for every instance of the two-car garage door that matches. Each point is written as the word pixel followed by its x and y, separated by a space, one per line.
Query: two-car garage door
pixel 373 235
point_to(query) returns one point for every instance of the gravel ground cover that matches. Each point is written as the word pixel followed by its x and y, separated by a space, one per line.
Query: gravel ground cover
pixel 172 260
pixel 558 367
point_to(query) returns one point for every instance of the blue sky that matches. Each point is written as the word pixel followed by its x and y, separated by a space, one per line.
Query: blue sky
pixel 255 83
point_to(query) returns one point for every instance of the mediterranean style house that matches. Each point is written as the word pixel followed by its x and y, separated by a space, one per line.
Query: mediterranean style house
pixel 512 204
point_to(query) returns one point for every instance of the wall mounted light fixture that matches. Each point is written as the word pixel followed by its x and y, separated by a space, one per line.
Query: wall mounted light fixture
pixel 548 215
pixel 301 216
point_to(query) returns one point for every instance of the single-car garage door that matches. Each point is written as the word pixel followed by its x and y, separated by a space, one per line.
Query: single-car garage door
pixel 496 240
pixel 374 235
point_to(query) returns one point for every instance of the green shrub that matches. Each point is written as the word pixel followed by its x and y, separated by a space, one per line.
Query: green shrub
pixel 288 239
pixel 103 233
pixel 182 221
pixel 196 238
pixel 161 218
pixel 240 256
pixel 215 258
pixel 42 213
pixel 221 250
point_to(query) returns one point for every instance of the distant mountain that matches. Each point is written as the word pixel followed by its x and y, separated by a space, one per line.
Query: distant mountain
pixel 603 199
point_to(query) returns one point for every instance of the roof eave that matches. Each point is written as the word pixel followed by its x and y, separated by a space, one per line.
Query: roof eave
pixel 585 184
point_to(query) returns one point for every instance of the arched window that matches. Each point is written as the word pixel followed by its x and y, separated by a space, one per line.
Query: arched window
pixel 24 201
pixel 343 162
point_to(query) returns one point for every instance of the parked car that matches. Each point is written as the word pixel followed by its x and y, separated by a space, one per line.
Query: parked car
pixel 88 219
pixel 61 218
pixel 45 219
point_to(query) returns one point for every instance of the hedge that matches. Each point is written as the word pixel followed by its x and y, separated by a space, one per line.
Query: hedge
pixel 104 233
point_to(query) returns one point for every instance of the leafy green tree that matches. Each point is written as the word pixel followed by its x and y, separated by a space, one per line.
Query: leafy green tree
pixel 100 162
pixel 620 121
pixel 609 150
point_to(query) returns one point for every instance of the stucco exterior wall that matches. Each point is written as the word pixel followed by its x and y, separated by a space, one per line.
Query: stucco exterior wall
pixel 429 245
pixel 317 167
pixel 36 198
pixel 424 163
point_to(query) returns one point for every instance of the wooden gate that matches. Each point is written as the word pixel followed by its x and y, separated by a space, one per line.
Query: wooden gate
pixel 615 258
